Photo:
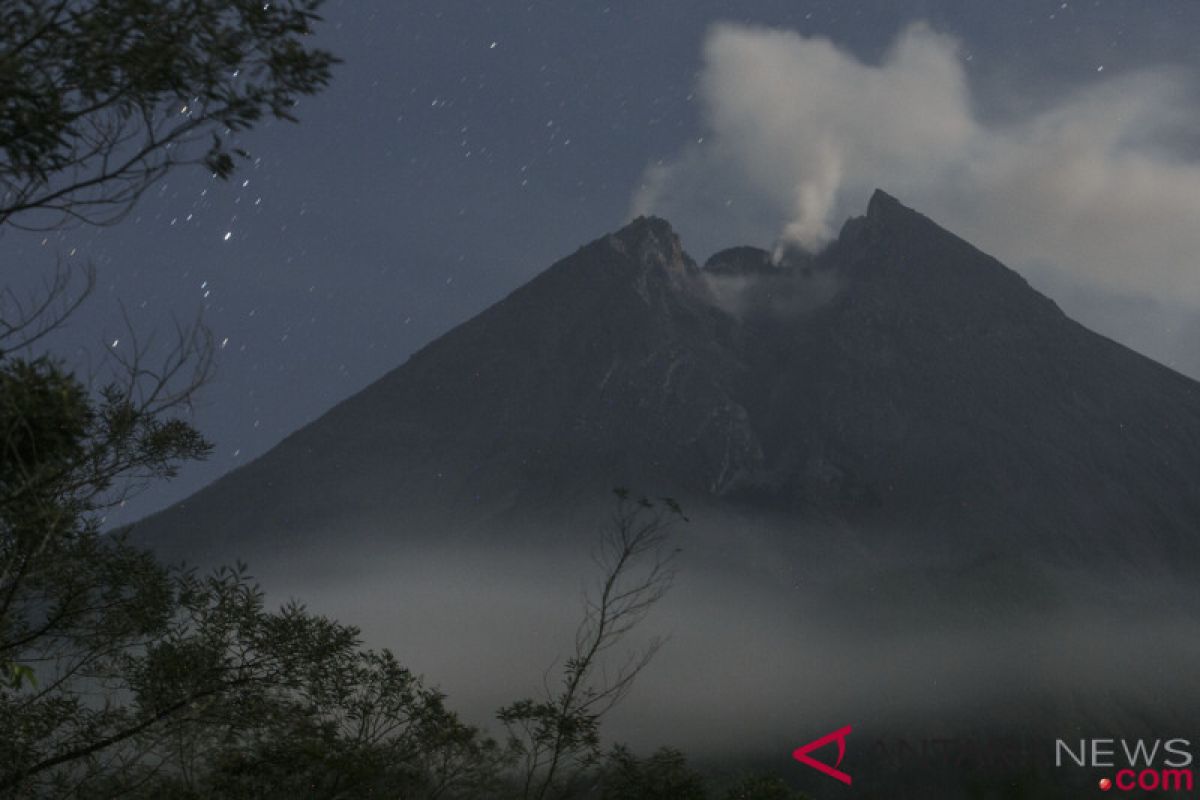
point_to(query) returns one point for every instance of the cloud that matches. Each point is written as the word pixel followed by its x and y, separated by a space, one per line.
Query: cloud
pixel 798 132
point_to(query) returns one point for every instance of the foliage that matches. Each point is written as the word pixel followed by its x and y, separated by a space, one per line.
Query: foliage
pixel 101 98
pixel 664 775
pixel 122 677
pixel 763 787
pixel 159 682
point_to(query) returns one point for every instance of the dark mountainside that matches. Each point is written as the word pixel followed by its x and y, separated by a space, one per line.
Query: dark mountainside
pixel 901 385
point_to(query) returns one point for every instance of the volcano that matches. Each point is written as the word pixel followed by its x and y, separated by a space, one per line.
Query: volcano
pixel 900 384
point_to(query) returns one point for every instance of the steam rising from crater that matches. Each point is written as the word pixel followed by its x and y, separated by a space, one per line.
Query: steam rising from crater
pixel 799 131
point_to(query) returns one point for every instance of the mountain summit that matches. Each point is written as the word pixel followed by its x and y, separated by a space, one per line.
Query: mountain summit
pixel 899 382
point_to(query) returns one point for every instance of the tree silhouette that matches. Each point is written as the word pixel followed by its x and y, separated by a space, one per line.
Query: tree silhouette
pixel 101 98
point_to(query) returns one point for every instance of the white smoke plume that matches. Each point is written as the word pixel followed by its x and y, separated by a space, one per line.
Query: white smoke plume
pixel 798 132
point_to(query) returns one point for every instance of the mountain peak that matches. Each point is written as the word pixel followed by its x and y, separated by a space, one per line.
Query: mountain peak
pixel 887 214
pixel 925 269
pixel 646 231
pixel 652 242
pixel 882 205
pixel 647 224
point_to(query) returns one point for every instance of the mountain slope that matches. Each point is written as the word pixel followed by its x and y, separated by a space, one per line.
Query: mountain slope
pixel 900 383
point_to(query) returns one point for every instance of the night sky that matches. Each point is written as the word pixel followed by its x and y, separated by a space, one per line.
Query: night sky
pixel 463 147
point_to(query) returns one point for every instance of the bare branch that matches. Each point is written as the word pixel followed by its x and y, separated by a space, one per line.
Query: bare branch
pixel 24 320
pixel 557 738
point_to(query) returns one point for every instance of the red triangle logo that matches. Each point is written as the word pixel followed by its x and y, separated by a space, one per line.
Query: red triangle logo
pixel 801 754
